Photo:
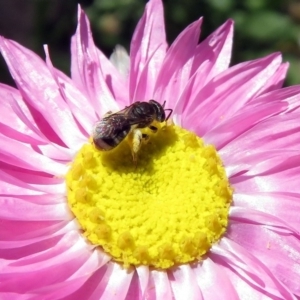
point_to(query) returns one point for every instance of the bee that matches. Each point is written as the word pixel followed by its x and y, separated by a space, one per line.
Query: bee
pixel 109 132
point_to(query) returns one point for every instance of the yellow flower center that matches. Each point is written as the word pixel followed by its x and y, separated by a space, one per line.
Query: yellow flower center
pixel 165 211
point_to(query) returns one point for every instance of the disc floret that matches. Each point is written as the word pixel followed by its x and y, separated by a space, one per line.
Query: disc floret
pixel 166 211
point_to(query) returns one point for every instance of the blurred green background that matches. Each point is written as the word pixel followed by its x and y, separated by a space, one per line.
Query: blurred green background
pixel 261 26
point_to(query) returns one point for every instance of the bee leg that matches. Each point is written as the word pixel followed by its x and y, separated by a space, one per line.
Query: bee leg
pixel 135 145
pixel 136 138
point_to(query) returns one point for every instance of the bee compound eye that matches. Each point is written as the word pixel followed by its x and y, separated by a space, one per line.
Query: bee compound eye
pixel 163 117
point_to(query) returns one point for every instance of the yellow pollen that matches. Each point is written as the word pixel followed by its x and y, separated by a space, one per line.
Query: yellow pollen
pixel 167 210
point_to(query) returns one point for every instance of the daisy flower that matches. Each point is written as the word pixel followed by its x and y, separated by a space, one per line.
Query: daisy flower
pixel 211 208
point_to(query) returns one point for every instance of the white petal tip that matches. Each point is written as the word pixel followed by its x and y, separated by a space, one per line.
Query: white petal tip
pixel 120 59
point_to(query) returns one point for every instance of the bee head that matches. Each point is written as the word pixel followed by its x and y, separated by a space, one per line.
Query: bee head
pixel 159 111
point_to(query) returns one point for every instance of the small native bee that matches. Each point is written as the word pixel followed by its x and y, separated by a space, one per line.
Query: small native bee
pixel 112 129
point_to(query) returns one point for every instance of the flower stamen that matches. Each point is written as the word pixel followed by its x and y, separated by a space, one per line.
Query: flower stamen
pixel 168 210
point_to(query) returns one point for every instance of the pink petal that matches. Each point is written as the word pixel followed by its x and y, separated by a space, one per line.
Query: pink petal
pixel 284 180
pixel 21 249
pixel 22 155
pixel 261 163
pixel 147 51
pixel 18 266
pixel 61 290
pixel 30 249
pixel 46 198
pixel 10 132
pixel 212 282
pixel 244 119
pixel 72 96
pixel 17 209
pixel 56 198
pixel 277 79
pixel 97 260
pixel 116 287
pixel 11 121
pixel 184 284
pixel 264 136
pixel 289 94
pixel 139 283
pixel 134 291
pixel 216 49
pixel 279 251
pixel 56 152
pixel 12 185
pixel 67 289
pixel 284 205
pixel 91 283
pixel 88 67
pixel 272 162
pixel 32 232
pixel 176 67
pixel 27 229
pixel 32 177
pixel 227 93
pixel 143 274
pixel 62 260
pixel 103 284
pixel 267 135
pixel 212 56
pixel 250 269
pixel 115 81
pixel 121 60
pixel 242 215
pixel 34 82
pixel 159 286
pixel 243 289
pixel 50 149
pixel 19 125
pixel 17 296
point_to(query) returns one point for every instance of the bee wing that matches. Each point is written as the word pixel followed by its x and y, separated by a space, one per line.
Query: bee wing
pixel 110 127
pixel 141 122
pixel 101 129
pixel 122 112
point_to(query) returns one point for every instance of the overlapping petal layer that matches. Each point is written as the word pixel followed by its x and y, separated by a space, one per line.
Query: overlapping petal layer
pixel 242 110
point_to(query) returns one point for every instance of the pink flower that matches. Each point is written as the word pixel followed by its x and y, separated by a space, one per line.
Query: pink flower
pixel 243 111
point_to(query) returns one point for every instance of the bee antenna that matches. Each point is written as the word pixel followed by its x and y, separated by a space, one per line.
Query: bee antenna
pixel 169 114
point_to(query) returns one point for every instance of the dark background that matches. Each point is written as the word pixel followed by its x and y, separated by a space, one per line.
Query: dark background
pixel 261 26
